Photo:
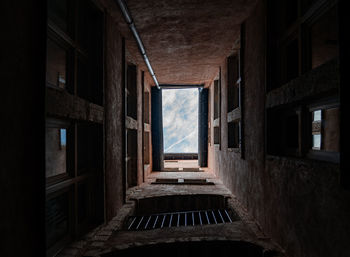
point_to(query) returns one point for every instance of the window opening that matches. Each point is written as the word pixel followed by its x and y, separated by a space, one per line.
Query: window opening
pixel 180 127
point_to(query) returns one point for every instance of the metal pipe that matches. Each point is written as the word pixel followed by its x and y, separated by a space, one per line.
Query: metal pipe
pixel 138 39
pixel 130 22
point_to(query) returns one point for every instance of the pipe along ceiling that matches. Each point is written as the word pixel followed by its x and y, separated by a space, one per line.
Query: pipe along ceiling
pixel 130 22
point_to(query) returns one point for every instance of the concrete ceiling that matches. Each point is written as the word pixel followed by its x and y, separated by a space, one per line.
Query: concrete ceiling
pixel 186 41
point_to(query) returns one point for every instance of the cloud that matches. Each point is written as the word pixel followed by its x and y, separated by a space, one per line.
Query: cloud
pixel 180 120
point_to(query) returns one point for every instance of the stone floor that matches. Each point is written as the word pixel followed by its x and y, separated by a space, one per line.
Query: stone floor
pixel 112 236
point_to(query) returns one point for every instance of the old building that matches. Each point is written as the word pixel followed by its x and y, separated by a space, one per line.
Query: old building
pixel 83 170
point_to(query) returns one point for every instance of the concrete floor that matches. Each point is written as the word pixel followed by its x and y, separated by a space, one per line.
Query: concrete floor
pixel 113 236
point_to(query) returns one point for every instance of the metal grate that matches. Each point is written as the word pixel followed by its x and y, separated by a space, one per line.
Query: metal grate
pixel 177 219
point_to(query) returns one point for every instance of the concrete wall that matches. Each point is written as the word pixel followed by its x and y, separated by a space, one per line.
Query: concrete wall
pixel 297 202
pixel 114 119
pixel 22 148
pixel 147 88
pixel 243 176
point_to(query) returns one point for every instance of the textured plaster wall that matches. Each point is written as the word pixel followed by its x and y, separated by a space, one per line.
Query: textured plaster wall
pixel 114 127
pixel 244 176
pixel 299 203
pixel 148 84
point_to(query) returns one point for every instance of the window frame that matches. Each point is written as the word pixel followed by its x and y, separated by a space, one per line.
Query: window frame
pixel 280 34
pixel 235 116
pixel 322 155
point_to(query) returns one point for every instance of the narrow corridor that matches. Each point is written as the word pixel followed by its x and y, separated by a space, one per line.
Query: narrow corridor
pixel 90 164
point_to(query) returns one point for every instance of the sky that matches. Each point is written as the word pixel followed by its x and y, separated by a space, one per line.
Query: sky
pixel 180 120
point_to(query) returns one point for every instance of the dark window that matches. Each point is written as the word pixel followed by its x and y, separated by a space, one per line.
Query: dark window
pixel 235 80
pixel 283 131
pixel 57 65
pixel 233 135
pixel 216 135
pixel 131 164
pixel 324 39
pixel 291 11
pixel 217 111
pixel 299 40
pixel 131 92
pixel 146 146
pixel 57 218
pixel 75 48
pixel 146 108
pixel 60 12
pixel 291 61
pixel 216 99
pixel 292 132
pixel 74 150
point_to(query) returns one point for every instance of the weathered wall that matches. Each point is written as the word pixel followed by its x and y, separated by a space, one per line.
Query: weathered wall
pixel 139 127
pixel 299 203
pixel 22 137
pixel 306 209
pixel 243 176
pixel 114 119
pixel 148 84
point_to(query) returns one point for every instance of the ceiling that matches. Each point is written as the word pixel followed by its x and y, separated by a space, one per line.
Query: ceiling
pixel 186 41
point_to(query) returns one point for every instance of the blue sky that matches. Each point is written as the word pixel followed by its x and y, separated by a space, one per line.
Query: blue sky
pixel 180 120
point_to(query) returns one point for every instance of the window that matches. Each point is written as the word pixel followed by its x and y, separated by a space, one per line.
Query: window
pixel 57 217
pixel 234 95
pixel 74 149
pixel 306 130
pixel 302 35
pixel 283 131
pixel 131 163
pixel 56 148
pixel 74 49
pixel 306 125
pixel 146 145
pixel 146 108
pixel 217 108
pixel 323 37
pixel 324 132
pixel 216 99
pixel 131 91
pixel 146 133
pixel 60 13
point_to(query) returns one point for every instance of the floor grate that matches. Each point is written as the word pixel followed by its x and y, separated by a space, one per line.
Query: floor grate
pixel 177 219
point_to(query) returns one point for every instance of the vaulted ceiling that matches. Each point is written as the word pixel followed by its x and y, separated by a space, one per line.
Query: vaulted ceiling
pixel 186 41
